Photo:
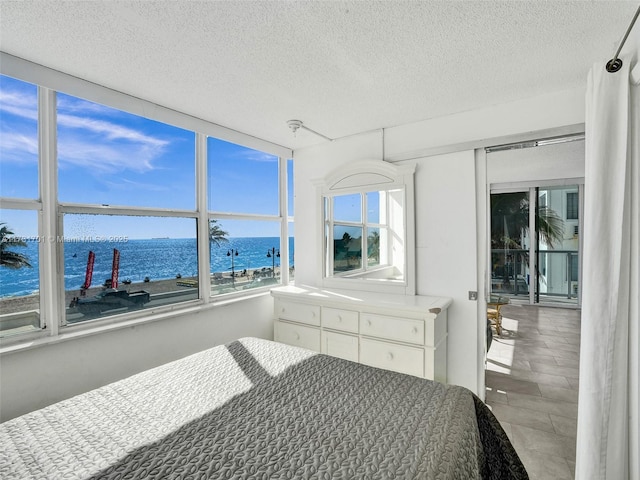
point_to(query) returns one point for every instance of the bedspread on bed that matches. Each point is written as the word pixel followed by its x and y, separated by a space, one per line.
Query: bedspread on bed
pixel 259 409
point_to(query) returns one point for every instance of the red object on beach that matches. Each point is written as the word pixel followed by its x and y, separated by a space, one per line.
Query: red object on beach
pixel 115 267
pixel 89 274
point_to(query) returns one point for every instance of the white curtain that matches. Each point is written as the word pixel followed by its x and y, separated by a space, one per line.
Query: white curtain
pixel 607 442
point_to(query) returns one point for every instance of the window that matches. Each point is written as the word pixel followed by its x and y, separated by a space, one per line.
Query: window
pixel 116 264
pixel 110 157
pixel 241 180
pixel 18 139
pixel 124 233
pixel 19 236
pixel 245 254
pixel 137 250
pixel 245 224
pixel 20 284
pixel 572 205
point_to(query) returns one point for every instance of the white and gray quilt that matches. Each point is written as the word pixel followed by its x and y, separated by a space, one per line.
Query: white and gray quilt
pixel 255 409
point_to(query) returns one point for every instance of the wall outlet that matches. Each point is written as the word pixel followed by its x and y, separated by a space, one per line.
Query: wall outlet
pixel 473 295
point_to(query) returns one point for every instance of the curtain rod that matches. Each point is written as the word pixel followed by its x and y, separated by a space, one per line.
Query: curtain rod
pixel 573 137
pixel 615 63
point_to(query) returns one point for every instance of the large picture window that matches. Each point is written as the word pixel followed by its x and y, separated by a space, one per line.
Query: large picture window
pixel 104 209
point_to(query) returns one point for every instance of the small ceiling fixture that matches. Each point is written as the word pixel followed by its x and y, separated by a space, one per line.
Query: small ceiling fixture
pixel 294 125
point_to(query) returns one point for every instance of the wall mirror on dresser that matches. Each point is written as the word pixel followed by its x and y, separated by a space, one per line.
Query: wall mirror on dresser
pixel 368 228
pixel 364 308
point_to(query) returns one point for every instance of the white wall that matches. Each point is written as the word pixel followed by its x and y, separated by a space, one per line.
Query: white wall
pixel 446 254
pixel 451 209
pixel 314 163
pixel 38 377
pixel 547 162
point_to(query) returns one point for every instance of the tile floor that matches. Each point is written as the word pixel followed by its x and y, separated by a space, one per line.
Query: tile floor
pixel 532 386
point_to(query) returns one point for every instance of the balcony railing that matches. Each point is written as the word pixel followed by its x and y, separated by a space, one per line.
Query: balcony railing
pixel 557 273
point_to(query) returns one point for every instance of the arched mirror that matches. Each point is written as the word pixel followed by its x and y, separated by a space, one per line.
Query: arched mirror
pixel 368 227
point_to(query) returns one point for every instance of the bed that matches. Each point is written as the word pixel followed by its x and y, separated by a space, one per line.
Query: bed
pixel 259 409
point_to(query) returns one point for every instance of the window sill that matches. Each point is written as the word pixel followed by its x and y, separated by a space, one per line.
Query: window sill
pixel 19 343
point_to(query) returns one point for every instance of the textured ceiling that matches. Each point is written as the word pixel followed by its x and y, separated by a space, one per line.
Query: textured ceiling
pixel 341 67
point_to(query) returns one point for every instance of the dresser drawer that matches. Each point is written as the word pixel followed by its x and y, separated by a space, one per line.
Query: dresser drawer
pixel 297 335
pixel 392 328
pixel 298 312
pixel 345 320
pixel 399 358
pixel 340 345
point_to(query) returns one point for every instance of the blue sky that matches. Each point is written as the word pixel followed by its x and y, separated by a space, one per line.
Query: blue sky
pixel 106 156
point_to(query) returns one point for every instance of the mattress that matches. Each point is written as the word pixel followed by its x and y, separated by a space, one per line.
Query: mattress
pixel 261 410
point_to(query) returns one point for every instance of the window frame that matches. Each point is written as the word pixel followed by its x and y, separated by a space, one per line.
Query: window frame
pixel 51 210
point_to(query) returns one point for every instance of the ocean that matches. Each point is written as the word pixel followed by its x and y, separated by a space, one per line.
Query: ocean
pixel 157 258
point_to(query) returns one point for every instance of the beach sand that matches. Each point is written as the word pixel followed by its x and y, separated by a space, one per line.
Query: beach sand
pixel 32 302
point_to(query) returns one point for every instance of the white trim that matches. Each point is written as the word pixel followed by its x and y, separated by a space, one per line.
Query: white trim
pixel 245 216
pixel 511 187
pixel 18 343
pixel 284 227
pixel 359 178
pixel 125 210
pixel 50 274
pixel 204 253
pixel 487 142
pixel 40 75
pixel 20 204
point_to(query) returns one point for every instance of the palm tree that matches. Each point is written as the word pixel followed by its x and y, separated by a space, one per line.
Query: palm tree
pixel 510 220
pixel 216 234
pixel 373 244
pixel 8 258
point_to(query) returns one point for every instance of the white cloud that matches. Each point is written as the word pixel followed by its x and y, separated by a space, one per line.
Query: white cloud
pixel 19 104
pixel 106 157
pixel 110 130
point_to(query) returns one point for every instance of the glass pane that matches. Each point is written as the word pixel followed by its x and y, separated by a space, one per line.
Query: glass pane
pixel 292 253
pixel 107 156
pixel 373 246
pixel 290 185
pixel 347 208
pixel 18 139
pixel 241 180
pixel 558 228
pixel 115 264
pixel 246 255
pixel 20 281
pixel 509 243
pixel 374 207
pixel 347 248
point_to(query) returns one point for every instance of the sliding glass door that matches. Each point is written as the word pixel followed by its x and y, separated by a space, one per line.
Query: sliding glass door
pixel 543 266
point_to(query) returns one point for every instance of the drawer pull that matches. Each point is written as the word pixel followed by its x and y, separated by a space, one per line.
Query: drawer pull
pixel 389 356
pixel 414 330
pixel 296 335
pixel 313 314
pixel 369 322
pixel 340 318
pixel 282 309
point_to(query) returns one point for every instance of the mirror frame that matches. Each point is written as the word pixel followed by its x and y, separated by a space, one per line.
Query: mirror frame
pixel 361 177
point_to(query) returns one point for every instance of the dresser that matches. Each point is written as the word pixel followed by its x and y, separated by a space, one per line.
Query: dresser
pixel 403 333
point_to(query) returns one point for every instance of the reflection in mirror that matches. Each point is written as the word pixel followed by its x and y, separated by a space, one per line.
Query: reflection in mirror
pixel 365 235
